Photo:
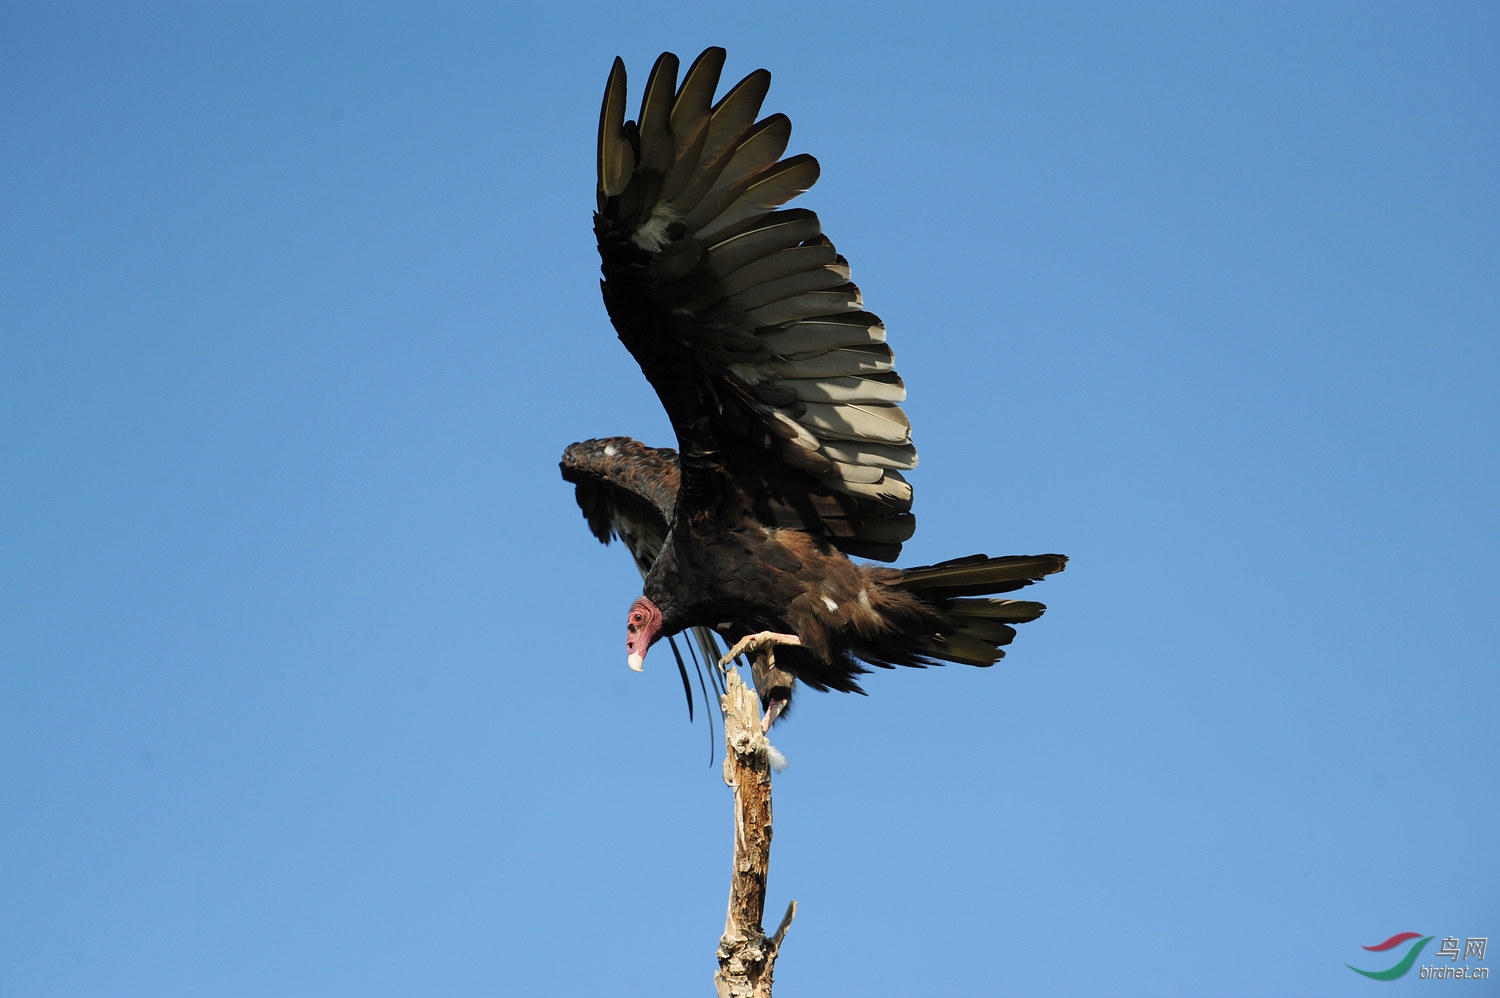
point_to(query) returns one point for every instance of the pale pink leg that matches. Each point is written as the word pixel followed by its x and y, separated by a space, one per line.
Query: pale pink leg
pixel 755 642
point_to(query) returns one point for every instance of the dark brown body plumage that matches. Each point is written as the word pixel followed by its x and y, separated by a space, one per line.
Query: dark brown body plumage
pixel 784 398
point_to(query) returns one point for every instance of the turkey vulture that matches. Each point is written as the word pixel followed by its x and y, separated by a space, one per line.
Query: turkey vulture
pixel 784 399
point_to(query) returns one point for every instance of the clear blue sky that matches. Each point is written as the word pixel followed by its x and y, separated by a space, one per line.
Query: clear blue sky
pixel 312 680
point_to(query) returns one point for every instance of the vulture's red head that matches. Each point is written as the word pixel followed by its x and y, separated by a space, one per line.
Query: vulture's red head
pixel 642 628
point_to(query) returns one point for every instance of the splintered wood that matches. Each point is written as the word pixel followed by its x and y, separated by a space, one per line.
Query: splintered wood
pixel 746 955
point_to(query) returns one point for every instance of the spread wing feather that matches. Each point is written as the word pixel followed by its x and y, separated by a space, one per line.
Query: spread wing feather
pixel 742 314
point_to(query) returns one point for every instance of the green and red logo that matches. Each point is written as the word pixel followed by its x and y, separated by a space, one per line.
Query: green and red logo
pixel 1404 964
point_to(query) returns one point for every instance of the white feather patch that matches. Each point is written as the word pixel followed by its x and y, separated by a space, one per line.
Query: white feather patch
pixel 651 235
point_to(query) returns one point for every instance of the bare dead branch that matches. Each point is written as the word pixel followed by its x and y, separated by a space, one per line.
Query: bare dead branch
pixel 746 957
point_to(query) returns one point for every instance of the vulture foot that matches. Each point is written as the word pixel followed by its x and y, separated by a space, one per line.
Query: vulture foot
pixel 767 640
pixel 755 642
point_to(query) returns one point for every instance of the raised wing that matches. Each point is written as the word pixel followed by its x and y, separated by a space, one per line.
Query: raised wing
pixel 742 316
pixel 628 491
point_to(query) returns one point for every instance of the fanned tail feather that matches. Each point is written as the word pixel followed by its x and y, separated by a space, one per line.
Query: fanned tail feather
pixel 980 575
pixel 977 628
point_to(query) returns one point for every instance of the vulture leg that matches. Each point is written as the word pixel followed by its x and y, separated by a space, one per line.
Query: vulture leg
pixel 772 712
pixel 767 640
pixel 755 642
pixel 774 685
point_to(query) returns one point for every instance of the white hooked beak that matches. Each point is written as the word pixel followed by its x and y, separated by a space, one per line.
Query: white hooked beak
pixel 637 662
